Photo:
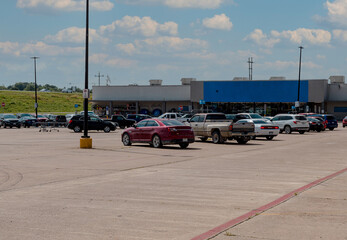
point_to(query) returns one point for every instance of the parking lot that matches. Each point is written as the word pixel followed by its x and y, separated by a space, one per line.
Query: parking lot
pixel 52 189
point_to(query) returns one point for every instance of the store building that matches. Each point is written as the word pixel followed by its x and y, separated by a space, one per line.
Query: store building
pixel 267 97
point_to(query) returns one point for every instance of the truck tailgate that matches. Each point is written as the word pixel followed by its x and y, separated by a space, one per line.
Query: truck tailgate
pixel 243 127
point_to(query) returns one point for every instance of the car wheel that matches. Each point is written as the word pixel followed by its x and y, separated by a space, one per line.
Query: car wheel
pixel 184 145
pixel 331 129
pixel 18 126
pixel 216 137
pixel 269 137
pixel 107 129
pixel 77 129
pixel 203 139
pixel 126 139
pixel 287 129
pixel 156 141
pixel 301 132
pixel 318 130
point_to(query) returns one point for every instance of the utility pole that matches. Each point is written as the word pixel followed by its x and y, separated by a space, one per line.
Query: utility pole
pixel 298 100
pixel 36 105
pixel 108 80
pixel 250 68
pixel 99 76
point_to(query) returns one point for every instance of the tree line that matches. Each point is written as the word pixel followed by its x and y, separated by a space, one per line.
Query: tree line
pixel 26 86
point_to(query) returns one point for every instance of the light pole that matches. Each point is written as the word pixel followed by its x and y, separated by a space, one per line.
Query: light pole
pixel 36 105
pixel 86 141
pixel 298 100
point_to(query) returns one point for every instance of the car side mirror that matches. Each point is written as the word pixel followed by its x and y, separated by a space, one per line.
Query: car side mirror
pixel 188 120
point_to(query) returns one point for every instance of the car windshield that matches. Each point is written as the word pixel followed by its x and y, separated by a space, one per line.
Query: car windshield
pixel 255 115
pixel 172 123
pixel 9 117
pixel 313 119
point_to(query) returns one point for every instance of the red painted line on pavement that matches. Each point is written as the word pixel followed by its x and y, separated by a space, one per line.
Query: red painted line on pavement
pixel 215 231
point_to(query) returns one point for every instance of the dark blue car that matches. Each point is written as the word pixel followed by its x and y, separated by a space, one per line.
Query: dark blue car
pixel 329 120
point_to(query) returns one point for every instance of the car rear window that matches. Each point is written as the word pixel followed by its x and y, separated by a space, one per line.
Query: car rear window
pixel 255 115
pixel 260 121
pixel 300 118
pixel 331 118
pixel 172 123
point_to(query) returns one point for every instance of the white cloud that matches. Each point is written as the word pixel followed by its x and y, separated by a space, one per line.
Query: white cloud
pixel 313 36
pixel 221 22
pixel 171 43
pixel 75 35
pixel 337 11
pixel 40 48
pixel 144 26
pixel 65 5
pixel 128 48
pixel 262 39
pixel 340 35
pixel 204 4
pixel 207 4
pixel 111 61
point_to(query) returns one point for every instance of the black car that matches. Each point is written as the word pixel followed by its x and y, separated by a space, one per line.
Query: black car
pixel 122 122
pixel 315 124
pixel 76 123
pixel 138 117
pixel 10 120
pixel 27 121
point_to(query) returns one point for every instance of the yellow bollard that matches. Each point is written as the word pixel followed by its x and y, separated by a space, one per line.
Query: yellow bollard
pixel 86 143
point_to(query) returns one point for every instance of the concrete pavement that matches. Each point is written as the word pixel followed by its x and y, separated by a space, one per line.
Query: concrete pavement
pixel 52 189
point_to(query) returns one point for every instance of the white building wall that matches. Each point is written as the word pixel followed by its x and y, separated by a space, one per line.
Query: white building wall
pixel 142 93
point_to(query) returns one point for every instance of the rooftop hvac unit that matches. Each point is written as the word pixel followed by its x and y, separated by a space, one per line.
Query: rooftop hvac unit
pixel 187 81
pixel 337 79
pixel 155 82
pixel 277 78
pixel 240 79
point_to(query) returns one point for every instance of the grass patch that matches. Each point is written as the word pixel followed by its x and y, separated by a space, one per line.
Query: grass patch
pixel 53 102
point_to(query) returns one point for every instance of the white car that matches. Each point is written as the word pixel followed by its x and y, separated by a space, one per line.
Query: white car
pixel 240 116
pixel 176 116
pixel 291 123
pixel 263 128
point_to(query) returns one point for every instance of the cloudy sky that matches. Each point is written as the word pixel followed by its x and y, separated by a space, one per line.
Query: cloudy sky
pixel 133 41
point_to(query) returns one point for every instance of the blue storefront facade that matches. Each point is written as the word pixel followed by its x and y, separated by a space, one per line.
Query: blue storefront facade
pixel 265 97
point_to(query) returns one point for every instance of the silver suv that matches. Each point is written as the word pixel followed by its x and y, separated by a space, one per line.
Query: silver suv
pixel 291 123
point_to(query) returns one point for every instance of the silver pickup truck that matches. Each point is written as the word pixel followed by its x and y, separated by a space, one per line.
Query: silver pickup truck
pixel 220 129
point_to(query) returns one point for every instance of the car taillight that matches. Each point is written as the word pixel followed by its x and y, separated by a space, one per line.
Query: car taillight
pixel 269 127
pixel 326 122
pixel 295 122
pixel 70 121
pixel 230 127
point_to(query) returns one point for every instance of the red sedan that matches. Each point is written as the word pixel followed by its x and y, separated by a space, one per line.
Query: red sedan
pixel 159 132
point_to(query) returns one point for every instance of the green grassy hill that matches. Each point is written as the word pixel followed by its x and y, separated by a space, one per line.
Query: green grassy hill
pixel 53 102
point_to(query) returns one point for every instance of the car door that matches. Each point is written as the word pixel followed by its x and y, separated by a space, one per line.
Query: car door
pixel 278 121
pixel 138 132
pixel 94 123
pixel 149 130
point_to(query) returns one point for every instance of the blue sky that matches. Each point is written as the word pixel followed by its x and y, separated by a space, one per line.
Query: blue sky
pixel 133 41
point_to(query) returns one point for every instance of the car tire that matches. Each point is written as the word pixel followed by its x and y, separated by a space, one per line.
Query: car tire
pixel 203 139
pixel 301 132
pixel 287 129
pixel 318 130
pixel 126 139
pixel 107 129
pixel 269 137
pixel 331 129
pixel 216 137
pixel 184 145
pixel 77 129
pixel 156 141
